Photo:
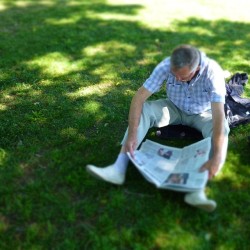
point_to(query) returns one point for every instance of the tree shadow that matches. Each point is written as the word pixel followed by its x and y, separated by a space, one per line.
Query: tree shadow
pixel 54 123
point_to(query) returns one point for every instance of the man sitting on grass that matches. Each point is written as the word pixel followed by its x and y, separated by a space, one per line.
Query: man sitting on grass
pixel 195 87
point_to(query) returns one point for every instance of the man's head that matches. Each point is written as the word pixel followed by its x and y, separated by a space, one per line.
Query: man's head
pixel 185 60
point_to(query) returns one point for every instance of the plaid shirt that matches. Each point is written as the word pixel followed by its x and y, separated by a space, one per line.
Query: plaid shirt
pixel 196 96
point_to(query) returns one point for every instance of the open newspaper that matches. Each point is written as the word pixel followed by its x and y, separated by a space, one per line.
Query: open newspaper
pixel 173 168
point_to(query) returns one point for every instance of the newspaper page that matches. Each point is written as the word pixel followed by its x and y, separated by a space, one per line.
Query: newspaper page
pixel 173 168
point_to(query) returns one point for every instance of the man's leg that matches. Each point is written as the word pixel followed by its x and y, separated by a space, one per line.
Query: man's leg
pixel 204 124
pixel 154 114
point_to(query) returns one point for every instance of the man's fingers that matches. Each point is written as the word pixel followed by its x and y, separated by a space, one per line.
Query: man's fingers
pixel 203 168
pixel 131 151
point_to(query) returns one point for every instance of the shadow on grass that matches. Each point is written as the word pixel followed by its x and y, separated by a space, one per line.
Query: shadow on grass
pixel 67 77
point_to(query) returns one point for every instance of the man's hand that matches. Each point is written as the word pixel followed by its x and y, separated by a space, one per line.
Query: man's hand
pixel 131 145
pixel 212 166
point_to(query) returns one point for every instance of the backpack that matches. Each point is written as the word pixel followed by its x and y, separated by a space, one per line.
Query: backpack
pixel 237 111
pixel 237 108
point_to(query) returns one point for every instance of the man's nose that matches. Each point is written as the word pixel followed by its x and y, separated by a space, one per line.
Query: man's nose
pixel 180 79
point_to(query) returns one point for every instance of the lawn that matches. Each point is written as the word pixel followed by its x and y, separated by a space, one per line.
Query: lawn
pixel 68 71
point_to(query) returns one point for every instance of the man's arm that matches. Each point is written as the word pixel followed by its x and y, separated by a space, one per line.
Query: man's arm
pixel 218 139
pixel 139 98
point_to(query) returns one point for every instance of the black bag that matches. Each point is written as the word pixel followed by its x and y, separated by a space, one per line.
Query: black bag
pixel 237 108
pixel 178 131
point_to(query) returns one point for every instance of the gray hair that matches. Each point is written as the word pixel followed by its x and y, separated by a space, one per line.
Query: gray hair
pixel 185 55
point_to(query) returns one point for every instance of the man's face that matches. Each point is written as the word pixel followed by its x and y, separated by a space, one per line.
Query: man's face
pixel 184 74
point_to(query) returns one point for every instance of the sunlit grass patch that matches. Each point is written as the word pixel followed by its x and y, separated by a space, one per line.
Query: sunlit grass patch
pixel 54 64
pixel 97 89
pixel 3 156
pixel 106 67
pixel 160 13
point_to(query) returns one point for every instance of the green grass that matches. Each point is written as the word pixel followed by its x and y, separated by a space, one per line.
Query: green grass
pixel 68 70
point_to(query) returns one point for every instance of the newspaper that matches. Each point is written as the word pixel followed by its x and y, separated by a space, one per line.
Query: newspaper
pixel 173 168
